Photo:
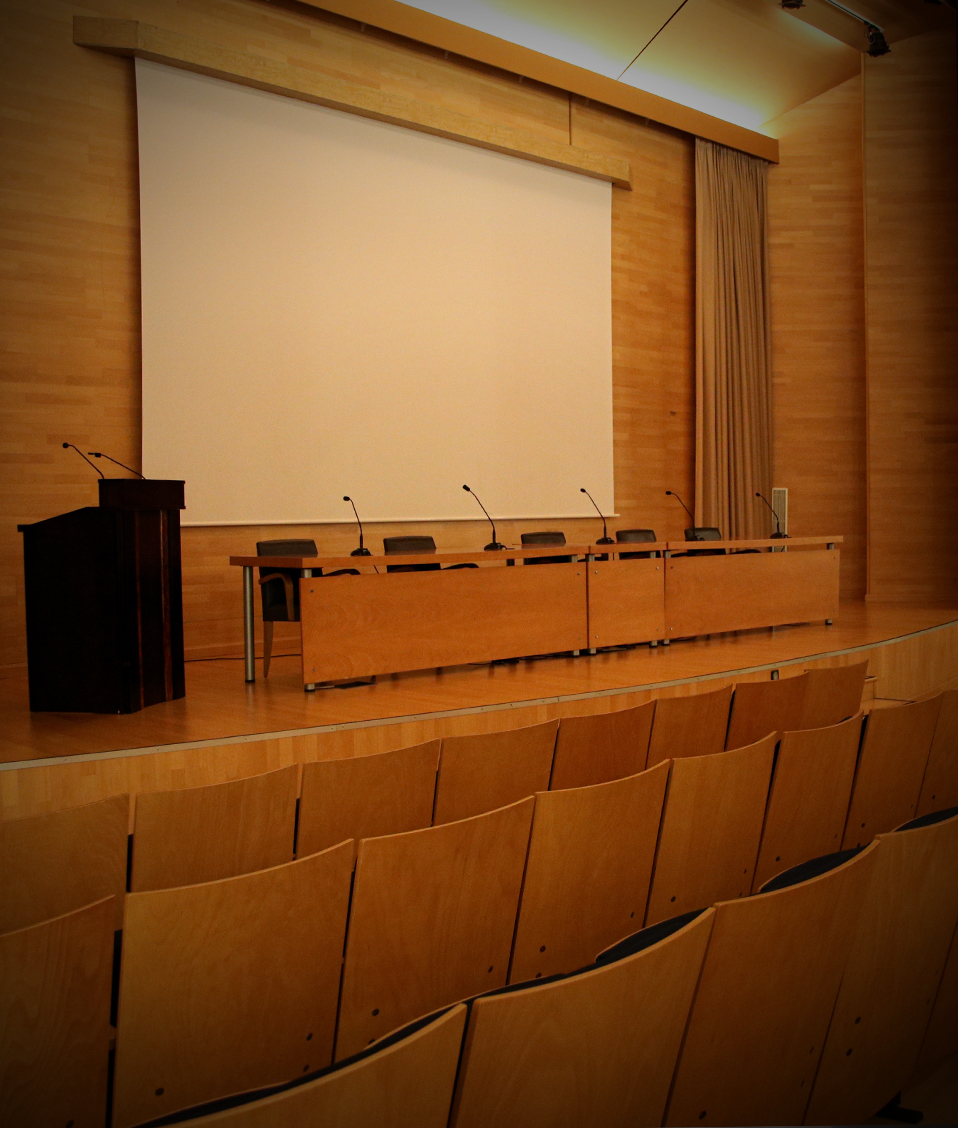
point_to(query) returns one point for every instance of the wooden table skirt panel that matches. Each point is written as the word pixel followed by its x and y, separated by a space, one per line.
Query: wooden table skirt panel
pixel 713 594
pixel 357 626
pixel 626 601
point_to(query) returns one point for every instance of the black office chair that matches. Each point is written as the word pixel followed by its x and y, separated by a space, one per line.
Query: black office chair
pixel 703 533
pixel 418 546
pixel 635 536
pixel 550 537
pixel 279 588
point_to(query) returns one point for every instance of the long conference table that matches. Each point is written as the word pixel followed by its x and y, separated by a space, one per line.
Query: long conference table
pixel 378 623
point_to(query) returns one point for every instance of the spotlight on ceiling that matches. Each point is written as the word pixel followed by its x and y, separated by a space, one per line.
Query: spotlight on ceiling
pixel 791 5
pixel 877 44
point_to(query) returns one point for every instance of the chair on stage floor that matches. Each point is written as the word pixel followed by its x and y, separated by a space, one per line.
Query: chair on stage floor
pixel 939 788
pixel 279 588
pixel 597 1047
pixel 759 708
pixel 229 985
pixel 833 694
pixel 588 872
pixel 634 536
pixel 415 546
pixel 366 796
pixel 711 829
pixel 531 540
pixel 601 747
pixel 54 863
pixel 197 834
pixel 489 770
pixel 694 725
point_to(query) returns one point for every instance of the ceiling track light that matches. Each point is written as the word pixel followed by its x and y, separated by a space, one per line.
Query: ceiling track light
pixel 792 5
pixel 877 43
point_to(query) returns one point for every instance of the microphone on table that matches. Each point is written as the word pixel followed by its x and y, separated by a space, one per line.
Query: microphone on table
pixel 778 534
pixel 85 459
pixel 100 454
pixel 605 538
pixel 361 551
pixel 672 493
pixel 494 545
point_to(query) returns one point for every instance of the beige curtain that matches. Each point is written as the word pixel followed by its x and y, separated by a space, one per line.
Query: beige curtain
pixel 733 439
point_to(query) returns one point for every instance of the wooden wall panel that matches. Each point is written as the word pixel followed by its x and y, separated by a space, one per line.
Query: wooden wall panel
pixel 816 263
pixel 911 165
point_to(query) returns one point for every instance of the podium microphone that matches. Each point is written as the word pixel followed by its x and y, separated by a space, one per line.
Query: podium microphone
pixel 778 534
pixel 605 538
pixel 672 493
pixel 100 454
pixel 494 545
pixel 361 551
pixel 85 459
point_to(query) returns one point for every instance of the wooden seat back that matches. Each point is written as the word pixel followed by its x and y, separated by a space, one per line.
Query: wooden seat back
pixel 601 747
pixel 588 873
pixel 690 726
pixel 366 796
pixel 199 834
pixel 490 770
pixel 597 1048
pixel 759 708
pixel 833 694
pixel 711 829
pixel 432 920
pixel 52 864
pixel 891 766
pixel 809 798
pixel 939 788
pixel 941 1036
pixel 229 985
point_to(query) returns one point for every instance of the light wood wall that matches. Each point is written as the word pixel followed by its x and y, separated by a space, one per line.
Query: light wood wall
pixel 911 171
pixel 816 263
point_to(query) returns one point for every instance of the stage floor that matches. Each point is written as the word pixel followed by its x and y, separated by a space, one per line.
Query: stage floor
pixel 219 704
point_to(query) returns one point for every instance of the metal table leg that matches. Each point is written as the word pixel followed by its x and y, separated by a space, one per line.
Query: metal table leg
pixel 249 636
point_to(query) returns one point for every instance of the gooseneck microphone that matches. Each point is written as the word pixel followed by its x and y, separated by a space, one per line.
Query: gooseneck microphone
pixel 361 551
pixel 100 454
pixel 672 493
pixel 605 538
pixel 494 545
pixel 85 459
pixel 778 534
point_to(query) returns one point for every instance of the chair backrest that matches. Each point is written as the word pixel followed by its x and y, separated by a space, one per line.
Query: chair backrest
pixel 432 920
pixel 601 747
pixel 229 985
pixel 941 1036
pixel 891 768
pixel 553 536
pixel 764 1000
pixel 895 963
pixel 711 829
pixel 406 1081
pixel 833 694
pixel 703 533
pixel 634 536
pixel 52 864
pixel 286 548
pixel 489 770
pixel 596 1048
pixel 808 801
pixel 759 708
pixel 690 726
pixel 201 834
pixel 273 594
pixel 939 788
pixel 366 796
pixel 412 545
pixel 55 1034
pixel 588 873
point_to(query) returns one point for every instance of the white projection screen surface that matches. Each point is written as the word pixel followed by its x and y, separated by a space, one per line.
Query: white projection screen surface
pixel 333 305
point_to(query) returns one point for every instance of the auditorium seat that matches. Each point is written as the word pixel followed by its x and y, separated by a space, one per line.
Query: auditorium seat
pixel 939 788
pixel 941 1036
pixel 764 1000
pixel 891 767
pixel 601 747
pixel 531 540
pixel 902 935
pixel 432 919
pixel 198 834
pixel 759 708
pixel 54 863
pixel 596 1048
pixel 229 985
pixel 711 829
pixel 414 546
pixel 366 796
pixel 634 536
pixel 588 872
pixel 55 1029
pixel 809 798
pixel 693 725
pixel 485 771
pixel 833 694
pixel 403 1081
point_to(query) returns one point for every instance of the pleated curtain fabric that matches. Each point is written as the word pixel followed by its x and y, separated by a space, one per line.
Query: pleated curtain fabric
pixel 733 441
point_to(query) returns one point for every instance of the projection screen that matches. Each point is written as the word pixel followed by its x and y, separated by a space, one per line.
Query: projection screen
pixel 333 305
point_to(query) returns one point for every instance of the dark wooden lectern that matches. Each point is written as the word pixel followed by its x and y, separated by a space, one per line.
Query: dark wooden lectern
pixel 105 603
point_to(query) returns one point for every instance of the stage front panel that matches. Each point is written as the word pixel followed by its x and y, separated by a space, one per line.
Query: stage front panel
pixel 626 601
